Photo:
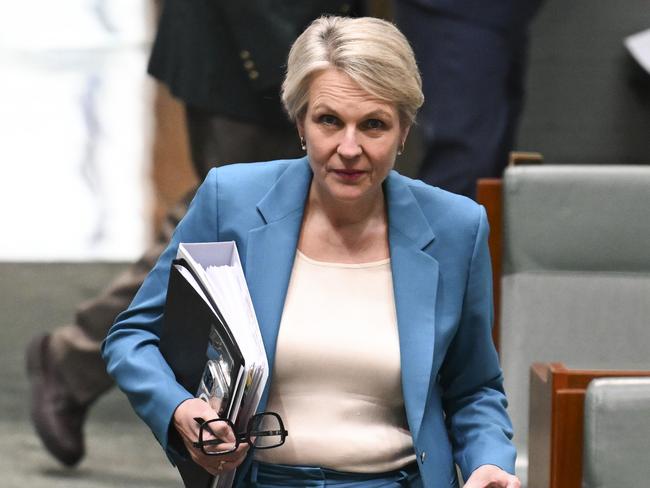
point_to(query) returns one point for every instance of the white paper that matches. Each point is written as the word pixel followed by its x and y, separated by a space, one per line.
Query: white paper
pixel 639 46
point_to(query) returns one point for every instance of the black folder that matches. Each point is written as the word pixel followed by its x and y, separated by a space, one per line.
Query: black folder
pixel 184 343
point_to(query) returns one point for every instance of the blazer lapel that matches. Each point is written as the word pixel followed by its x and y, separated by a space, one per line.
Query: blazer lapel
pixel 271 251
pixel 415 282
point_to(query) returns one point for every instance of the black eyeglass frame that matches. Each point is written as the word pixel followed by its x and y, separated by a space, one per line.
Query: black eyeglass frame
pixel 204 425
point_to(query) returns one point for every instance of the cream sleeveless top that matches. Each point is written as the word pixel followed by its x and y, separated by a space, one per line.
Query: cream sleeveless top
pixel 336 378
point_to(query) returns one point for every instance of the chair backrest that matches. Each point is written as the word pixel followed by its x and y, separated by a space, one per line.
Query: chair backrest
pixel 617 433
pixel 576 274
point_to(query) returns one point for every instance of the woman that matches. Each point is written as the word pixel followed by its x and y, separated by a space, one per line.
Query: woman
pixel 372 291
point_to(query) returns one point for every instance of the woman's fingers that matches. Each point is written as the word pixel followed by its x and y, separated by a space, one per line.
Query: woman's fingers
pixel 490 476
pixel 185 414
pixel 513 482
pixel 240 454
pixel 187 423
pixel 222 463
pixel 218 437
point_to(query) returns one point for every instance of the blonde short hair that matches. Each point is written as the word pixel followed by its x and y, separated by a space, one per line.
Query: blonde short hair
pixel 373 52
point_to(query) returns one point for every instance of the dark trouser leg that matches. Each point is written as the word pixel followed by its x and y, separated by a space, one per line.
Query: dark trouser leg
pixel 215 140
pixel 75 348
pixel 473 88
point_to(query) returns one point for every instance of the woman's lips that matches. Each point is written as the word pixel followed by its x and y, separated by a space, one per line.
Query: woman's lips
pixel 348 174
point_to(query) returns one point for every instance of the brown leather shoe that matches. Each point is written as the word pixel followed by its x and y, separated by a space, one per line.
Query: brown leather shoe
pixel 56 415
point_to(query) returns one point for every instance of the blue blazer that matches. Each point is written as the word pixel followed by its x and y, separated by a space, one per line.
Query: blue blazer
pixel 451 379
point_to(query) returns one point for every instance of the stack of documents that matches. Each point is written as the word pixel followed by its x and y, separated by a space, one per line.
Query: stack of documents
pixel 211 338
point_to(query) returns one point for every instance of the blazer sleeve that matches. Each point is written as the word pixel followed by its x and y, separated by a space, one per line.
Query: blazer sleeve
pixel 131 346
pixel 471 378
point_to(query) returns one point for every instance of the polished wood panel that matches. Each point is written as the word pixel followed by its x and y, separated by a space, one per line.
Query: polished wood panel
pixel 556 422
pixel 524 157
pixel 539 434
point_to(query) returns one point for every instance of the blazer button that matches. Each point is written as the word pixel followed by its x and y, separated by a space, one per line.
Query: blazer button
pixel 249 65
pixel 253 75
pixel 423 456
pixel 244 54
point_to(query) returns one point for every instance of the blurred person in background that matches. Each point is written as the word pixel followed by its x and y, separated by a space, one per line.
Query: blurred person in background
pixel 225 62
pixel 473 58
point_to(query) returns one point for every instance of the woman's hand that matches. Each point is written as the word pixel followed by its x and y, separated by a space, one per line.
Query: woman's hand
pixel 188 429
pixel 489 476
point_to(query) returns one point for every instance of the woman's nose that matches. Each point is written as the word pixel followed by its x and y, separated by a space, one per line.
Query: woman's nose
pixel 349 146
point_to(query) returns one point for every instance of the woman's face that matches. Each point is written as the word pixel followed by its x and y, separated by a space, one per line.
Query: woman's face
pixel 352 138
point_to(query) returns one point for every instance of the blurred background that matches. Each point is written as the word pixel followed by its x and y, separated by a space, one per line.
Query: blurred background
pixel 93 152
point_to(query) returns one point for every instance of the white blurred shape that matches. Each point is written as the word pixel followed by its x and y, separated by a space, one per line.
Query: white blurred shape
pixel 639 47
pixel 75 110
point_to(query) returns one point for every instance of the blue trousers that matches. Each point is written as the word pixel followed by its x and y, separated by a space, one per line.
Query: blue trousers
pixel 278 475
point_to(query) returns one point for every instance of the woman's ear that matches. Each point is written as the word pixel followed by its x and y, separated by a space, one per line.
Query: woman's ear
pixel 404 134
pixel 300 124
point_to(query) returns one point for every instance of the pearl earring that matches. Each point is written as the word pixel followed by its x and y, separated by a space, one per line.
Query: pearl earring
pixel 303 144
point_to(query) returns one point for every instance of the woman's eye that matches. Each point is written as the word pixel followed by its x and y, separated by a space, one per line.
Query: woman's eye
pixel 374 124
pixel 328 120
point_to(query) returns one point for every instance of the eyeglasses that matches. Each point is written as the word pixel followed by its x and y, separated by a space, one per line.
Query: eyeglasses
pixel 264 431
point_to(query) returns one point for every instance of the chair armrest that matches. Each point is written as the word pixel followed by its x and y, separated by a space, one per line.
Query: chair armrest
pixel 555 440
